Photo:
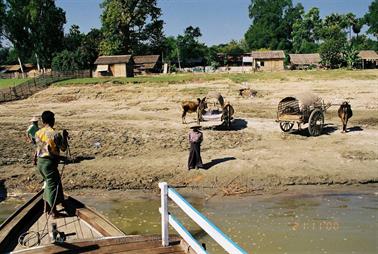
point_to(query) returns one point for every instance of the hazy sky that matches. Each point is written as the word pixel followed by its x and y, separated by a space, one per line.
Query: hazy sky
pixel 219 20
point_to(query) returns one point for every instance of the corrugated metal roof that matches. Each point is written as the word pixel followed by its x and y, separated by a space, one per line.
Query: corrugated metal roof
pixel 368 55
pixel 113 59
pixel 275 54
pixel 305 58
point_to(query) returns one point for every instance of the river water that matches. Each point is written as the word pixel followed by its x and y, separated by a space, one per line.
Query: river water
pixel 306 220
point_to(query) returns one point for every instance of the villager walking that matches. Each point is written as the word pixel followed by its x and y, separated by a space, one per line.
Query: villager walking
pixel 32 130
pixel 195 140
pixel 30 135
pixel 49 144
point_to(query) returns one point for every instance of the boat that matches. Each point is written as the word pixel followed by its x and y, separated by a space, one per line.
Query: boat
pixel 80 229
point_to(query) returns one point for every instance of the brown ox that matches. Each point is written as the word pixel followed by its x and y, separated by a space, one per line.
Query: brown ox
pixel 193 106
pixel 345 112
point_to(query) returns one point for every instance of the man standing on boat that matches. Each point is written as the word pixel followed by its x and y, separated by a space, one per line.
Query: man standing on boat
pixel 49 144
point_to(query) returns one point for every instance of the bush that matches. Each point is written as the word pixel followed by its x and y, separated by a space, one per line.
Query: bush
pixel 70 61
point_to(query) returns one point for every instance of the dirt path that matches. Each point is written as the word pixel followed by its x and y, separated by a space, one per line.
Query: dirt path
pixel 131 137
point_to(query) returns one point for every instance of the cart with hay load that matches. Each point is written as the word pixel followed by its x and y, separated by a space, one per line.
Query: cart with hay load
pixel 216 111
pixel 305 108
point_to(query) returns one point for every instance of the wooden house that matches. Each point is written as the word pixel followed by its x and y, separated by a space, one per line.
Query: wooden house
pixel 304 61
pixel 147 64
pixel 268 60
pixel 117 66
pixel 369 59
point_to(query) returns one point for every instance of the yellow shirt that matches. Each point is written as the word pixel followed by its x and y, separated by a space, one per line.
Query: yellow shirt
pixel 49 143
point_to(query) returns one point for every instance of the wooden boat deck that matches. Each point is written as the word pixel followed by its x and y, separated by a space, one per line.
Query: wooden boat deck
pixel 84 229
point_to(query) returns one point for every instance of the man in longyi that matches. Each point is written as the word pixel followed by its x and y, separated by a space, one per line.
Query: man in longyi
pixel 195 140
pixel 49 144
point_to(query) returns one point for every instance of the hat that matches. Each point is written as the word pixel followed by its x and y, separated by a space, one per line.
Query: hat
pixel 34 119
pixel 195 126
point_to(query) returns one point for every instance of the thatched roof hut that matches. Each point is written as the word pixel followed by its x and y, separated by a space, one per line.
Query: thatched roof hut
pixel 113 59
pixel 370 55
pixel 305 59
pixel 268 60
pixel 268 55
pixel 369 58
pixel 117 66
pixel 148 63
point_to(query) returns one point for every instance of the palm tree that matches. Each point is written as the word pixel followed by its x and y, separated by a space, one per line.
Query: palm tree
pixel 350 21
pixel 356 27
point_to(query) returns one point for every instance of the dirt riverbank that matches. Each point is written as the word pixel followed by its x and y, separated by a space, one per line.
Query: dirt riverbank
pixel 131 137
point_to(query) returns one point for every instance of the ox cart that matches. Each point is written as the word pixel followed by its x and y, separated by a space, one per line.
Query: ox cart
pixel 216 111
pixel 302 109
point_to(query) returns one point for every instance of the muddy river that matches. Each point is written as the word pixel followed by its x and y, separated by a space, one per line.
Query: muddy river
pixel 306 220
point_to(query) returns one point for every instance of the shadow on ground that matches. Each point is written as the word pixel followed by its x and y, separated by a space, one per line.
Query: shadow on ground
pixel 236 125
pixel 355 128
pixel 327 130
pixel 77 159
pixel 214 162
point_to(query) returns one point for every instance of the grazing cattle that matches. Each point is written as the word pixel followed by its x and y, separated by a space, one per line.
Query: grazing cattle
pixel 345 112
pixel 193 106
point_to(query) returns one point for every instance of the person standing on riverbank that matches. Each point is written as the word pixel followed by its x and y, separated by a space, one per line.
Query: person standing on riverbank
pixel 32 130
pixel 49 145
pixel 195 140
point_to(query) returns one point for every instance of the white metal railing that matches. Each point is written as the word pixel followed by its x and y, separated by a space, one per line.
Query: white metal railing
pixel 167 219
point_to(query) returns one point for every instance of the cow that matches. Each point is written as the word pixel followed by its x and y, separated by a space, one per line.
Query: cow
pixel 193 106
pixel 345 112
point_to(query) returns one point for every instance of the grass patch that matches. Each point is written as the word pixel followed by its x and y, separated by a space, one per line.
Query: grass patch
pixel 281 76
pixel 4 83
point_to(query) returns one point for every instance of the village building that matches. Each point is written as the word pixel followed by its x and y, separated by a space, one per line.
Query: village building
pixel 147 64
pixel 15 71
pixel 117 66
pixel 268 60
pixel 304 61
pixel 369 59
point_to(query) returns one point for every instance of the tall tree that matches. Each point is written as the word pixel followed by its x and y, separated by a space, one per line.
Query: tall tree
pixel 130 25
pixel 272 22
pixel 372 18
pixel 191 50
pixel 34 27
pixel 306 32
pixel 74 38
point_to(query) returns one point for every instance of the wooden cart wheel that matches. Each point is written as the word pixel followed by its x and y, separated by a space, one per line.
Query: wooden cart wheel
pixel 316 122
pixel 286 126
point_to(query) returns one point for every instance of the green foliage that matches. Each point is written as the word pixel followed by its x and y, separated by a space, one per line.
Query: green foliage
pixel 69 61
pixel 9 82
pixel 131 26
pixel 363 42
pixel 272 22
pixel 191 51
pixel 8 56
pixel 74 38
pixel 372 18
pixel 34 27
pixel 306 32
pixel 170 50
pixel 350 56
pixel 331 51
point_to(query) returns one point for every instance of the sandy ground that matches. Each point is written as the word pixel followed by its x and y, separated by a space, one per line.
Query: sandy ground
pixel 131 137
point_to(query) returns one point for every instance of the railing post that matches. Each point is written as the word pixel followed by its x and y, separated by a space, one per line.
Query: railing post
pixel 164 213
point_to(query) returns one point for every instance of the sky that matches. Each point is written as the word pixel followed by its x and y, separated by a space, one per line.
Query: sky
pixel 220 21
